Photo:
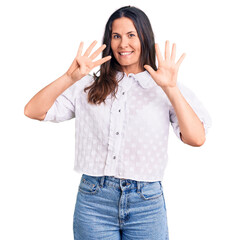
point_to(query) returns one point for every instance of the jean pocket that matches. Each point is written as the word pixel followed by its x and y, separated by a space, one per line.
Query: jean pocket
pixel 88 185
pixel 151 190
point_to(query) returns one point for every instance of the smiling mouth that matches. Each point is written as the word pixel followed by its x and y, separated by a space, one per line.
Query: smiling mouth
pixel 125 53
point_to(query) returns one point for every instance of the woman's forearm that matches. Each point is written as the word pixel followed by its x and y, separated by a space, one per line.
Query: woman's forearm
pixel 38 106
pixel 41 102
pixel 191 128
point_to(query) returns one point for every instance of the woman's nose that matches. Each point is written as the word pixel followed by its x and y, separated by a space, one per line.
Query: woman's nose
pixel 124 42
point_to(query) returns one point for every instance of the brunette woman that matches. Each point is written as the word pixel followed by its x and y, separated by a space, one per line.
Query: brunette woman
pixel 122 117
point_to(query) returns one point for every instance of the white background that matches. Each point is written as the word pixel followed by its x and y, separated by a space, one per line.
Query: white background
pixel 39 40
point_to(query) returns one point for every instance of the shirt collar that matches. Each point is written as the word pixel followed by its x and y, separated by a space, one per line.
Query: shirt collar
pixel 143 78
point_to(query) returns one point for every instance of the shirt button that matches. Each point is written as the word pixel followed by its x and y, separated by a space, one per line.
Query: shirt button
pixel 114 157
pixel 117 133
pixel 123 93
pixel 119 110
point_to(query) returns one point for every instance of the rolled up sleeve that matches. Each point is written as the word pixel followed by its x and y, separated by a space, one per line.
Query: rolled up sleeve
pixel 62 109
pixel 197 107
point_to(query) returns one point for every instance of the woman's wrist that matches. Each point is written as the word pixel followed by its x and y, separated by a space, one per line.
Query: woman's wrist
pixel 171 92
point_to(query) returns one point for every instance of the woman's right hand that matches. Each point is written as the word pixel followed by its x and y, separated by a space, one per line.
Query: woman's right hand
pixel 82 65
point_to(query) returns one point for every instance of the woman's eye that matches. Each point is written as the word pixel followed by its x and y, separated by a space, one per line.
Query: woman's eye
pixel 131 35
pixel 115 36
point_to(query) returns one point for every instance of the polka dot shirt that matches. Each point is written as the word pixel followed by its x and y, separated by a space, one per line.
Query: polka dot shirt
pixel 127 137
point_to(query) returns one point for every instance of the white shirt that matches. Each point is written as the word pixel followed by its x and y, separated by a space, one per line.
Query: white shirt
pixel 128 136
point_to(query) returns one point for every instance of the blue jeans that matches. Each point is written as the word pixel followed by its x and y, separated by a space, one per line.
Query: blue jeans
pixel 109 208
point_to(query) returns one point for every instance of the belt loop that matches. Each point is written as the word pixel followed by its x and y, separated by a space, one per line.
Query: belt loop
pixel 138 186
pixel 102 181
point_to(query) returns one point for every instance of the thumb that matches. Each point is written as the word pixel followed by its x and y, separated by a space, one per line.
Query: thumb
pixel 149 69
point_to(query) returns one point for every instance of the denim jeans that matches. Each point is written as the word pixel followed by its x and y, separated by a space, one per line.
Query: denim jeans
pixel 109 208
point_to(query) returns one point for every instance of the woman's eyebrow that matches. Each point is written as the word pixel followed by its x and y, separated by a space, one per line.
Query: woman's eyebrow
pixel 131 32
pixel 126 33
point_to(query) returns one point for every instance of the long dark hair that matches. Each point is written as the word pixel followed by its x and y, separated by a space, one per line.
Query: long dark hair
pixel 107 82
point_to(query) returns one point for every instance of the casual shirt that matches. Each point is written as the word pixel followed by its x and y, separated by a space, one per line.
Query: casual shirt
pixel 126 137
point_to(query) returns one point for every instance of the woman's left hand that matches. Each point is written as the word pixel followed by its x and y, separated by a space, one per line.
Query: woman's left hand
pixel 166 74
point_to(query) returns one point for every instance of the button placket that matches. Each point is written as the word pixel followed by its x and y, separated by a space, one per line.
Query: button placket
pixel 115 137
pixel 115 134
pixel 126 87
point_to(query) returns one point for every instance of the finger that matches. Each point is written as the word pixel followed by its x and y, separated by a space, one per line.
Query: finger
pixel 101 61
pixel 167 50
pixel 180 59
pixel 173 53
pixel 158 53
pixel 79 52
pixel 149 69
pixel 98 51
pixel 90 48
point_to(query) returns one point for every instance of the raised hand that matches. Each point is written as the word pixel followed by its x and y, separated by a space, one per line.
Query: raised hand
pixel 166 74
pixel 82 65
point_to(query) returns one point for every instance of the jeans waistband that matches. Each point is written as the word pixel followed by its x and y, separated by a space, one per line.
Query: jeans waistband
pixel 118 182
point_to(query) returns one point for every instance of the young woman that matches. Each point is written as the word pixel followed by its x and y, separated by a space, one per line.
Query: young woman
pixel 122 121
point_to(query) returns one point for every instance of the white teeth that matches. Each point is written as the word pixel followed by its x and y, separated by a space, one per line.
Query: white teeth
pixel 125 53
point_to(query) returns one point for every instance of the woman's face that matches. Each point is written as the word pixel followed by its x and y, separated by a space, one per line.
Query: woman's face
pixel 125 45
